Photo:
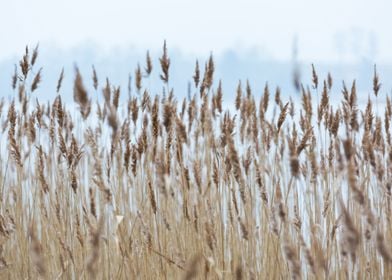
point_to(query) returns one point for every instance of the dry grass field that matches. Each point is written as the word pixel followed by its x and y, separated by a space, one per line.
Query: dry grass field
pixel 146 186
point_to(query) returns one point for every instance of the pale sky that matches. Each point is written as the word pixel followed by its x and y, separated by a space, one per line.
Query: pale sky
pixel 326 30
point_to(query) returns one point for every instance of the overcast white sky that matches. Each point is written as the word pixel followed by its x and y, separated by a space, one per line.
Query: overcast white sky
pixel 326 30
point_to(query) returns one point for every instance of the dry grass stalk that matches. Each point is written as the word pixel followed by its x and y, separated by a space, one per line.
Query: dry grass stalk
pixel 376 82
pixel 81 96
pixel 36 81
pixel 148 68
pixel 188 179
pixel 314 77
pixel 282 116
pixel 165 64
pixel 60 80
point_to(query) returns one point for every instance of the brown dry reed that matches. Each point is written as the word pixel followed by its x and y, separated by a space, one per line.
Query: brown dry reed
pixel 158 187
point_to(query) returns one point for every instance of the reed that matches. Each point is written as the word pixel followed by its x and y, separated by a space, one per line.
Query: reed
pixel 145 186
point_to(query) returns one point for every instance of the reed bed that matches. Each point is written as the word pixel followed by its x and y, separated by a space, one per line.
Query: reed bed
pixel 146 186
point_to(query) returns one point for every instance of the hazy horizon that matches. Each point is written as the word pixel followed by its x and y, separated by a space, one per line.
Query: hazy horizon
pixel 330 31
pixel 252 40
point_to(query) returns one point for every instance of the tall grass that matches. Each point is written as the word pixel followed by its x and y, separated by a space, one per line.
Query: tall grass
pixel 151 187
